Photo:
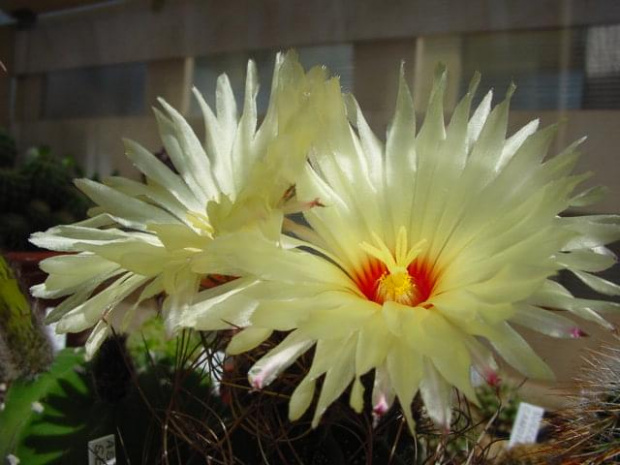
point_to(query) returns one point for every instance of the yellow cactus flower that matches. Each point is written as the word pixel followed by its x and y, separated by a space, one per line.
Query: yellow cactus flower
pixel 143 236
pixel 426 246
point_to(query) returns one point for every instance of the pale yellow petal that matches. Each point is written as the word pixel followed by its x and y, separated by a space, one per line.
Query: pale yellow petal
pixel 404 366
pixel 337 378
pixel 373 344
pixel 265 370
pixel 437 395
pixel 247 339
pixel 301 399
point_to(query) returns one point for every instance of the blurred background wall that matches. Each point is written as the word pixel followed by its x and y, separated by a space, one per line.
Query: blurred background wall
pixel 84 73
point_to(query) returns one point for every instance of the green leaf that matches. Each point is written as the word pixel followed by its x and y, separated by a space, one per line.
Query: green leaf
pixel 18 413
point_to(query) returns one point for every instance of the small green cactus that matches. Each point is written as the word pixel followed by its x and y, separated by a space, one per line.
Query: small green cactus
pixel 14 231
pixel 24 347
pixel 48 178
pixel 37 194
pixel 14 190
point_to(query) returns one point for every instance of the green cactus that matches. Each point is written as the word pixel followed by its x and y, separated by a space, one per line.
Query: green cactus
pixel 14 231
pixel 37 195
pixel 24 348
pixel 48 178
pixel 14 190
pixel 39 214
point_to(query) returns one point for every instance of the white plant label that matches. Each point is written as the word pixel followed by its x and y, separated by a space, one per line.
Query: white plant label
pixel 526 425
pixel 102 451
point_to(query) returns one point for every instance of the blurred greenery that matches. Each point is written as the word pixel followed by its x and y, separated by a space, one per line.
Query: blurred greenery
pixel 83 401
pixel 18 414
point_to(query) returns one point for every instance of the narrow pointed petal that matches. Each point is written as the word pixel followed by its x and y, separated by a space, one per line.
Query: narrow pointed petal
pixel 277 360
pixel 301 399
pixel 131 212
pixel 590 196
pixel 99 334
pixel 146 162
pixel 373 345
pixel 357 396
pixel 337 378
pixel 382 393
pixel 477 121
pixel 405 370
pixel 516 351
pixel 437 396
pixel 543 321
pixel 247 339
pixel 587 260
pixel 598 284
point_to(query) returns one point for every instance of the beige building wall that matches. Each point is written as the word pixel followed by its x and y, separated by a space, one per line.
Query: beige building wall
pixel 420 33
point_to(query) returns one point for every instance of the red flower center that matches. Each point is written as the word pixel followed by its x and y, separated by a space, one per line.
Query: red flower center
pixel 411 286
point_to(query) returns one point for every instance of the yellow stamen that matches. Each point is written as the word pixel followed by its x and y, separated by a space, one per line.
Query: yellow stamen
pixel 397 287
